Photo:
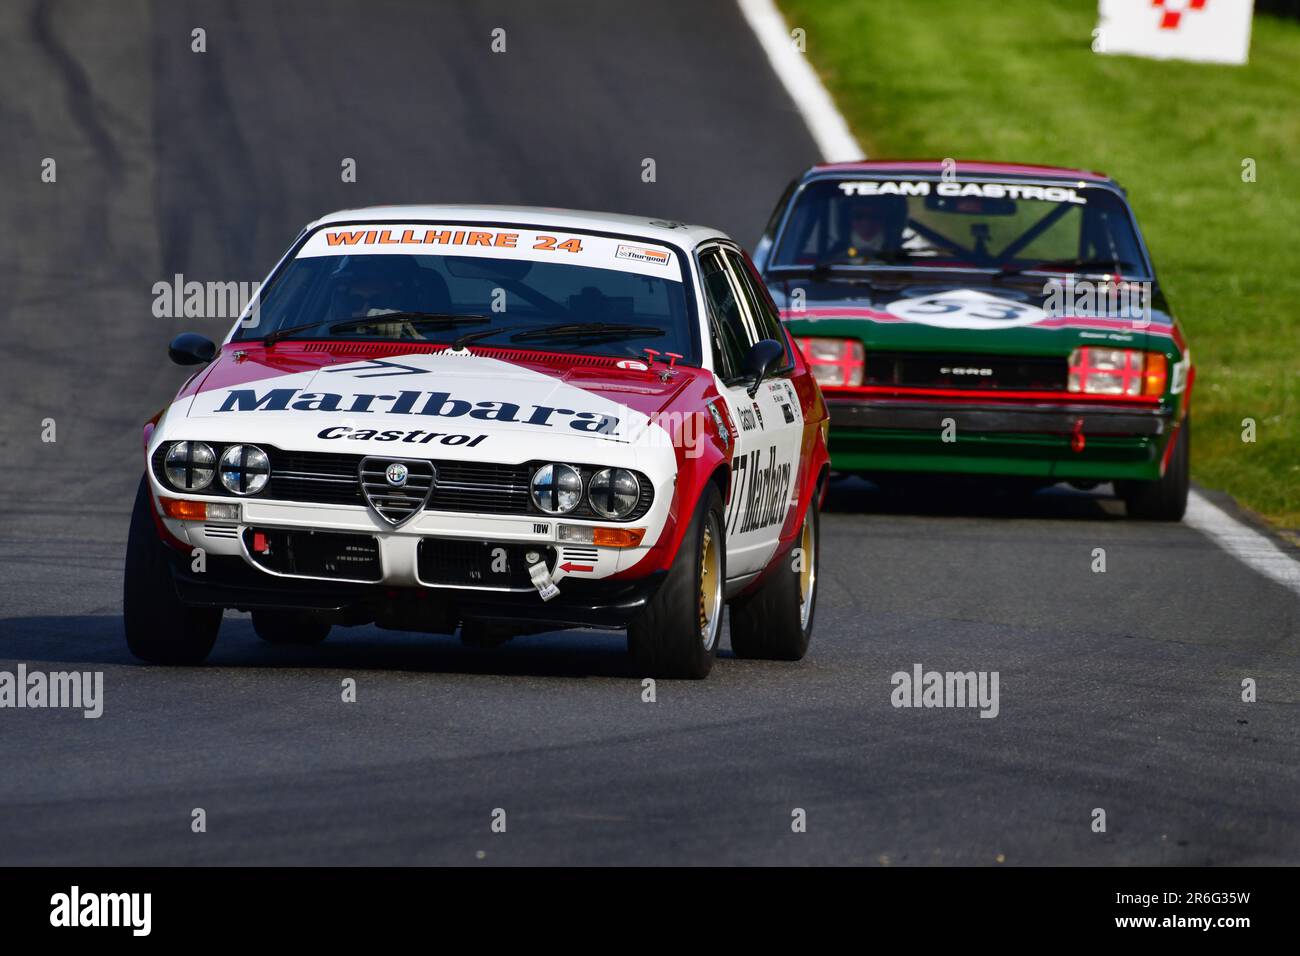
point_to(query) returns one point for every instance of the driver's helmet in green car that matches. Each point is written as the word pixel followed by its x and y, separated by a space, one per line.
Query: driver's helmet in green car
pixel 871 225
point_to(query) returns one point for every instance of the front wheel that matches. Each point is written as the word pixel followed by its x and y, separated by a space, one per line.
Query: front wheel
pixel 677 634
pixel 159 628
pixel 1165 498
pixel 774 622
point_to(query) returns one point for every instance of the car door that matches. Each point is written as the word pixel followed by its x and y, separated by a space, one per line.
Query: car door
pixel 769 422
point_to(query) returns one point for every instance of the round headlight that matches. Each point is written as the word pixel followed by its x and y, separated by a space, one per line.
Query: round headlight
pixel 189 465
pixel 556 488
pixel 245 469
pixel 613 492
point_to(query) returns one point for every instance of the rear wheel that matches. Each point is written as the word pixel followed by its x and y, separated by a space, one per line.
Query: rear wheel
pixel 677 634
pixel 289 627
pixel 159 628
pixel 1165 498
pixel 775 621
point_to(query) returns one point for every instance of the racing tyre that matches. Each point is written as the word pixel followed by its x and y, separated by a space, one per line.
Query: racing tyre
pixel 289 627
pixel 677 634
pixel 775 621
pixel 1165 498
pixel 159 628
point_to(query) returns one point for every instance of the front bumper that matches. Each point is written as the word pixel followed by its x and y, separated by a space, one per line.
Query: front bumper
pixel 229 582
pixel 1063 442
pixel 374 572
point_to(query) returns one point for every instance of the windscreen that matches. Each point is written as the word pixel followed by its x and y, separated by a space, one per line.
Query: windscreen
pixel 512 287
pixel 973 224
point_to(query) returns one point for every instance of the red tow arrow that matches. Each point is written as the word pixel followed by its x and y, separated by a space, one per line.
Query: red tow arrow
pixel 566 567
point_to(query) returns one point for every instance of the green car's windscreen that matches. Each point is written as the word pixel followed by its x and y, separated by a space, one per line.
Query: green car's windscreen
pixel 963 225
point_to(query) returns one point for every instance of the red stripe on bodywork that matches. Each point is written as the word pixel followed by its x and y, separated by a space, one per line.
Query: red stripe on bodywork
pixel 1052 322
pixel 986 395
pixel 902 167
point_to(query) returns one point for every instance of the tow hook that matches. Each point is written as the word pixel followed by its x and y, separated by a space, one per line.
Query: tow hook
pixel 1077 439
pixel 541 576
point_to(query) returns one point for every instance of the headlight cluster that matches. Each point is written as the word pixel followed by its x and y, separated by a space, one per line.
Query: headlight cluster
pixel 612 493
pixel 1127 372
pixel 242 469
pixel 190 465
pixel 834 361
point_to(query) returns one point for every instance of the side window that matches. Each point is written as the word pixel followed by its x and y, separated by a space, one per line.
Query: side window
pixel 764 318
pixel 763 251
pixel 779 211
pixel 726 321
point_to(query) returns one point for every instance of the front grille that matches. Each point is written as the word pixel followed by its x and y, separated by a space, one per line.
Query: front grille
pixel 396 503
pixel 315 554
pixel 955 370
pixel 318 477
pixel 459 486
pixel 489 564
pixel 473 486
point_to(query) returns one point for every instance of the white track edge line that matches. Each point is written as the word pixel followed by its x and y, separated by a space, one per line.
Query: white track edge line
pixel 828 127
pixel 1244 543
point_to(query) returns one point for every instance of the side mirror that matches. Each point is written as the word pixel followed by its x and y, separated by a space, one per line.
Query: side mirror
pixel 762 356
pixel 190 348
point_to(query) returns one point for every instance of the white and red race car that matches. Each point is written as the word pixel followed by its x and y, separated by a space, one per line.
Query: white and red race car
pixel 500 419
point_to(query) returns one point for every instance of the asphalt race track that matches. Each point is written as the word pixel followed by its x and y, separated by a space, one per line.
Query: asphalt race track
pixel 1118 690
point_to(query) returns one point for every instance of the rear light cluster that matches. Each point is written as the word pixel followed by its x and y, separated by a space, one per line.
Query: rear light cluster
pixel 835 361
pixel 1126 372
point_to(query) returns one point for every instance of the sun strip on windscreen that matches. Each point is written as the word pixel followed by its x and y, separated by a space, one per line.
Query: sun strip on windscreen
pixel 492 242
pixel 959 189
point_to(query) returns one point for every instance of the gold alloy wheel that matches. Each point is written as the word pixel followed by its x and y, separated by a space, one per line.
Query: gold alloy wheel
pixel 710 584
pixel 807 570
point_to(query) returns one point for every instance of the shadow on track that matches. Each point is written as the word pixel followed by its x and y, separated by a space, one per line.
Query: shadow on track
pixel 97 640
pixel 956 496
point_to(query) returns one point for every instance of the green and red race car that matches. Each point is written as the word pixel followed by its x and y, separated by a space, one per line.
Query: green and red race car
pixel 985 319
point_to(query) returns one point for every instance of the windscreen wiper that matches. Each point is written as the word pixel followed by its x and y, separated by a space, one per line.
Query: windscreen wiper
pixel 440 319
pixel 1084 265
pixel 847 271
pixel 272 337
pixel 589 330
pixel 461 341
pixel 427 318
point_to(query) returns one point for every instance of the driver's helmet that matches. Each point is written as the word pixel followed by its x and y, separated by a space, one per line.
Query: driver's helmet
pixel 874 223
pixel 369 285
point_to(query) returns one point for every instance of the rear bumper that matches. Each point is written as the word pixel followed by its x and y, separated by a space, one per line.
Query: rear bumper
pixel 1077 441
pixel 995 419
pixel 231 583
